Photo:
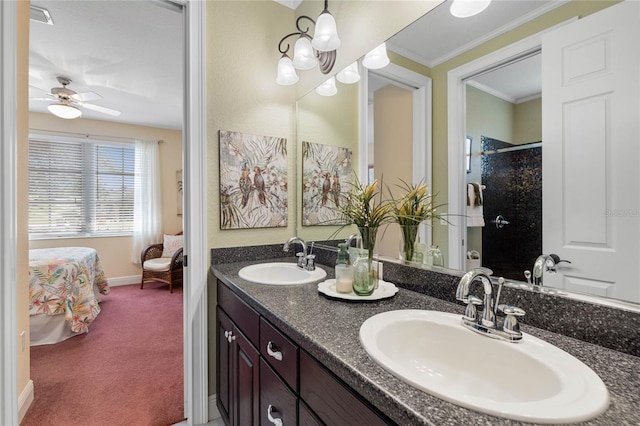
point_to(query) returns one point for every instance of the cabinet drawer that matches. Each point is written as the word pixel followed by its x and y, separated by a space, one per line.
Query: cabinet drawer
pixel 332 401
pixel 276 399
pixel 280 352
pixel 247 320
pixel 306 416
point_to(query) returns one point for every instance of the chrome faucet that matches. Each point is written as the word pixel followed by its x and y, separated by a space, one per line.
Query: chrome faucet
pixel 305 261
pixel 487 324
pixel 544 263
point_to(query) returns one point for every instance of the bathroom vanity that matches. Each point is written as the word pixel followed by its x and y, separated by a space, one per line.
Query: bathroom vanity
pixel 325 376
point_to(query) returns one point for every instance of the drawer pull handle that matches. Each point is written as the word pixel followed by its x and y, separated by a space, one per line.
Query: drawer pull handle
pixel 229 335
pixel 274 353
pixel 275 420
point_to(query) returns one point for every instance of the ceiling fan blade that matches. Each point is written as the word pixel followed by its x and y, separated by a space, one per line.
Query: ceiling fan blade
pixel 103 110
pixel 85 96
pixel 43 99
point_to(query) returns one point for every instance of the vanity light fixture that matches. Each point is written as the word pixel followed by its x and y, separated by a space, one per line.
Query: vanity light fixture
pixel 328 88
pixel 467 8
pixel 65 111
pixel 349 75
pixel 377 58
pixel 307 51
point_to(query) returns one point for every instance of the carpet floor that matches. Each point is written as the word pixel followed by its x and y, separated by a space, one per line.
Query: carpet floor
pixel 127 370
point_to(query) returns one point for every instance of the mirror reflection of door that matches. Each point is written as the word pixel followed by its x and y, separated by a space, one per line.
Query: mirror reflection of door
pixel 504 184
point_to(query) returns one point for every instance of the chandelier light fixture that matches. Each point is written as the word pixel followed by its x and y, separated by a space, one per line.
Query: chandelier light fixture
pixel 349 75
pixel 467 8
pixel 309 52
pixel 328 88
pixel 377 58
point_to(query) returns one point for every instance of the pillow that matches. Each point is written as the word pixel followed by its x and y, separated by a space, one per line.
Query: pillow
pixel 171 244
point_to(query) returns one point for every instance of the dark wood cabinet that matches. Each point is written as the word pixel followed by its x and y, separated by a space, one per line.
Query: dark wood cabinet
pixel 279 384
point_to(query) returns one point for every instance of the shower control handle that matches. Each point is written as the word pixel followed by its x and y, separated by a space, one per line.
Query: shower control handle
pixel 500 221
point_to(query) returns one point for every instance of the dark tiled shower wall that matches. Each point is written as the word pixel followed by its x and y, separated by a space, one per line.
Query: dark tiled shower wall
pixel 601 325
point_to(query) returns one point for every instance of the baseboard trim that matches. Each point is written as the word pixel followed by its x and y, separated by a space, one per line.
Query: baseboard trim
pixel 118 281
pixel 213 408
pixel 24 400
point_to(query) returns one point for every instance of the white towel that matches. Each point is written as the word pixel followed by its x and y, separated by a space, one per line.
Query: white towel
pixel 475 214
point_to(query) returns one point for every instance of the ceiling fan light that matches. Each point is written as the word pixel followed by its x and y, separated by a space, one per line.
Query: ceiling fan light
pixel 325 36
pixel 349 75
pixel 286 72
pixel 377 58
pixel 303 56
pixel 328 88
pixel 467 8
pixel 67 112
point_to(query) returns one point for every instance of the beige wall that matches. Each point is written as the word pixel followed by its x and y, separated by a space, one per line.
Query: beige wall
pixel 393 139
pixel 22 272
pixel 528 122
pixel 115 252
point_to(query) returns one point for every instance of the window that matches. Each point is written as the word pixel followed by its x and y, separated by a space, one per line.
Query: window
pixel 80 188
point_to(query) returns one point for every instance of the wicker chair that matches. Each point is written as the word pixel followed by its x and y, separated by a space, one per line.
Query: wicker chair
pixel 158 268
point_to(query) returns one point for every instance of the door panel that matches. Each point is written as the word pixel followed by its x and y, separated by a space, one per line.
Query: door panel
pixel 591 129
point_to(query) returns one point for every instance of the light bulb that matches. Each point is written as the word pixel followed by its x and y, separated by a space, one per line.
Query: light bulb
pixel 328 88
pixel 286 72
pixel 303 56
pixel 466 8
pixel 325 37
pixel 377 58
pixel 349 74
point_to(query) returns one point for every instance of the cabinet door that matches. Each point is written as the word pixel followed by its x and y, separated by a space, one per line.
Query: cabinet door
pixel 223 365
pixel 278 405
pixel 246 382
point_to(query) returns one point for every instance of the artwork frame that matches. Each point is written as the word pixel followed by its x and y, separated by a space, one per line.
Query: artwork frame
pixel 179 193
pixel 327 175
pixel 253 181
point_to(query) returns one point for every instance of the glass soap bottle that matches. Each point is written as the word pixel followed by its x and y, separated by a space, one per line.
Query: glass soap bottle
pixel 344 270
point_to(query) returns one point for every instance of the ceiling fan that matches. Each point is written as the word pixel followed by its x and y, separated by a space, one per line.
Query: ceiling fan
pixel 68 101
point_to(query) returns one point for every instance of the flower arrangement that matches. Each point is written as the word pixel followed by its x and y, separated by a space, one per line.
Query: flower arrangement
pixel 365 207
pixel 409 211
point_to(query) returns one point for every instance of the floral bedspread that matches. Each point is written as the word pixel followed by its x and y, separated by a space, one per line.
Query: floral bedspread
pixel 61 282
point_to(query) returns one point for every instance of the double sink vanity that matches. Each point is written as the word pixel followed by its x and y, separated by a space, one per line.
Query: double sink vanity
pixel 287 354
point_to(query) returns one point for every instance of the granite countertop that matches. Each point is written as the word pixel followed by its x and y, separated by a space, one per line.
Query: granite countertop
pixel 328 329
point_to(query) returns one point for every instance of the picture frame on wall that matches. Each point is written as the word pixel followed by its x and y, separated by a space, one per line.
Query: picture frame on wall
pixel 327 175
pixel 253 181
pixel 179 191
pixel 467 149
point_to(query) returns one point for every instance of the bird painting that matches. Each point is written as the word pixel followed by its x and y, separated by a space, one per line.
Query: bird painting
pixel 258 182
pixel 245 185
pixel 326 188
pixel 335 189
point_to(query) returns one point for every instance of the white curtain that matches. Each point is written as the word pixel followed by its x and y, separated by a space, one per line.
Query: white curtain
pixel 147 211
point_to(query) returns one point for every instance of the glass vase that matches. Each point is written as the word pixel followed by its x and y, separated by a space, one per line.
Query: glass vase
pixel 365 278
pixel 408 235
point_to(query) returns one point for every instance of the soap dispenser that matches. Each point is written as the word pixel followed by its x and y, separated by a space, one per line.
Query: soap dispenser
pixel 344 270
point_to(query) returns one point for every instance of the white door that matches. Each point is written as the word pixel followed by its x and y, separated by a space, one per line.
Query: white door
pixel 591 154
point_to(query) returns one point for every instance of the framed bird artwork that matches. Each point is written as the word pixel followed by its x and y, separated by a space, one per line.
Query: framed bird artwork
pixel 326 177
pixel 253 181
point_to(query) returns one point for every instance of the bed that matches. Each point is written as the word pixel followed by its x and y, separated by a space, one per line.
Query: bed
pixel 64 290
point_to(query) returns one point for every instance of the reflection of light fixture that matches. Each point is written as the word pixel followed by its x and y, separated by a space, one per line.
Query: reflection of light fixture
pixel 63 110
pixel 309 52
pixel 466 8
pixel 377 58
pixel 349 74
pixel 328 88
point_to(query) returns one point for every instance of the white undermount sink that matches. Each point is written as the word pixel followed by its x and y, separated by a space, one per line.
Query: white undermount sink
pixel 531 380
pixel 280 273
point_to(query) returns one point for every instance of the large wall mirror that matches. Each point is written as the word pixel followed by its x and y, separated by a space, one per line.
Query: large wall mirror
pixel 504 123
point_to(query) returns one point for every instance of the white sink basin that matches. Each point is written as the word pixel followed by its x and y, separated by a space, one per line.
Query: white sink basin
pixel 280 273
pixel 531 380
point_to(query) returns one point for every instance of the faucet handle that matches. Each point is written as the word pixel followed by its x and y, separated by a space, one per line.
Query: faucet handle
pixel 511 325
pixel 301 260
pixel 470 312
pixel 311 258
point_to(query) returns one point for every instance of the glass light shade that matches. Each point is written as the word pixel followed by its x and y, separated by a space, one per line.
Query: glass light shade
pixel 325 36
pixel 377 58
pixel 64 111
pixel 286 72
pixel 328 88
pixel 303 56
pixel 349 74
pixel 466 8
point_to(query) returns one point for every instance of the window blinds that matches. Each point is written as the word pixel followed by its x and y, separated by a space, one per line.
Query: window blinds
pixel 80 188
